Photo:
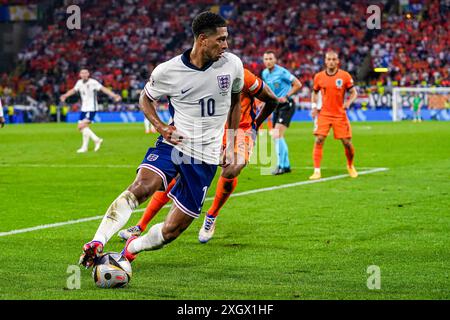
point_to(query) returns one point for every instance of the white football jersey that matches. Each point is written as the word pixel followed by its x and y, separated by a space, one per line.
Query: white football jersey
pixel 88 92
pixel 199 100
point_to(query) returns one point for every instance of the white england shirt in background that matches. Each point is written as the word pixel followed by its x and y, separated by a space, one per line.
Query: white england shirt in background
pixel 199 100
pixel 88 92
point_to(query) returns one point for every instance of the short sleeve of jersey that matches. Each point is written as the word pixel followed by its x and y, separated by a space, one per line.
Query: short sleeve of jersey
pixel 252 83
pixel 349 83
pixel 158 85
pixel 316 86
pixel 238 82
pixel 264 75
pixel 287 76
pixel 77 86
pixel 97 85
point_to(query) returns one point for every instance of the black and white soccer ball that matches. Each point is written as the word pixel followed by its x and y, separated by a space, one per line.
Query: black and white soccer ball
pixel 111 270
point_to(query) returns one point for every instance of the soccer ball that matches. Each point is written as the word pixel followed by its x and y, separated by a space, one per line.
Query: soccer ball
pixel 111 270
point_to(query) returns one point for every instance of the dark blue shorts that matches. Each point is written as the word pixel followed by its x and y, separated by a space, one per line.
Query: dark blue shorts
pixel 195 177
pixel 88 116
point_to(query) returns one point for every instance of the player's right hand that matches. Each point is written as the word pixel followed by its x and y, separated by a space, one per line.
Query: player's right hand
pixel 2 122
pixel 170 134
pixel 314 113
pixel 62 98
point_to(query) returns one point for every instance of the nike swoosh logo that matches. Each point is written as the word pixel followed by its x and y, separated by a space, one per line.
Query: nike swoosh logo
pixel 184 91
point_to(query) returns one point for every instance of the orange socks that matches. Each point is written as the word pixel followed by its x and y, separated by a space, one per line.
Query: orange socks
pixel 158 200
pixel 317 155
pixel 225 188
pixel 350 154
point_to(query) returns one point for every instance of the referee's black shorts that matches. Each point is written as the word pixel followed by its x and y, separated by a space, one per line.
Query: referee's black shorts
pixel 283 113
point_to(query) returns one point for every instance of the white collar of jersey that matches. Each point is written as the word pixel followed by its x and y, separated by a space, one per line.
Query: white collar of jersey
pixel 185 57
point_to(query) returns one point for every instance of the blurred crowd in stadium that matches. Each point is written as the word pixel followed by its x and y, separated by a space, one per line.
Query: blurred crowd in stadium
pixel 122 41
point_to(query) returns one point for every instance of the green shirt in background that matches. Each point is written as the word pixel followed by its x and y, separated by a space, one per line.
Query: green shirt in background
pixel 416 103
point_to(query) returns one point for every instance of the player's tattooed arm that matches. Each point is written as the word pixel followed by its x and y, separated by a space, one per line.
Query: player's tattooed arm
pixel 169 133
pixel 267 96
pixel 352 98
pixel 234 117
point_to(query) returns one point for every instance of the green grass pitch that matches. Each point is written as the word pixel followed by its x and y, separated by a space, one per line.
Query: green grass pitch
pixel 312 241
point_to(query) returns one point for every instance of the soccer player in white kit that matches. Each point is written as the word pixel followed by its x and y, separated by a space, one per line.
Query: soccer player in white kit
pixel 88 88
pixel 203 86
pixel 2 118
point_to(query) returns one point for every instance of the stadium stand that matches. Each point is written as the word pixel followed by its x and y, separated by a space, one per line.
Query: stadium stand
pixel 122 41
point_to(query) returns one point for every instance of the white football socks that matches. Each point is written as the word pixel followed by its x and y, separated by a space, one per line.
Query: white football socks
pixel 91 134
pixel 153 240
pixel 116 217
pixel 85 134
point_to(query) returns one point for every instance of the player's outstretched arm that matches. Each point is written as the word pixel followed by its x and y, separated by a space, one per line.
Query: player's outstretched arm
pixel 111 94
pixel 148 106
pixel 352 98
pixel 267 96
pixel 69 93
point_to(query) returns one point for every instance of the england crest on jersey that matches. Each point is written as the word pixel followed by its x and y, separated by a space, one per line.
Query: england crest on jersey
pixel 224 82
pixel 152 157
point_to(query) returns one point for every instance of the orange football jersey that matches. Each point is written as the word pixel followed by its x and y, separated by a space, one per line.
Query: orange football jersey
pixel 333 88
pixel 252 86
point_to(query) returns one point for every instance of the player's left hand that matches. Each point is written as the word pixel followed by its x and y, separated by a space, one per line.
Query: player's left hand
pixel 2 122
pixel 117 98
pixel 227 158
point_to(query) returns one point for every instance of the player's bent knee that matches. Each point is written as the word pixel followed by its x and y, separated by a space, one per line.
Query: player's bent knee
pixel 171 231
pixel 347 143
pixel 145 188
pixel 174 225
pixel 320 139
pixel 82 125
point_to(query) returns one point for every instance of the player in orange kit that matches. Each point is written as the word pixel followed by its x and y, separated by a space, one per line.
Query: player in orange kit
pixel 254 87
pixel 333 83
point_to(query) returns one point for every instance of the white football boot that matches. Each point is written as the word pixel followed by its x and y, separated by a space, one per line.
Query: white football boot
pixel 207 230
pixel 134 231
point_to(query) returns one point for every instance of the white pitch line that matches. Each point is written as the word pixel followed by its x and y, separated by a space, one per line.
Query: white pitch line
pixel 120 166
pixel 239 194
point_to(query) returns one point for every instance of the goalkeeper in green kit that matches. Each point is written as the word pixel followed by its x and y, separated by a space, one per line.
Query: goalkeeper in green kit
pixel 416 105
